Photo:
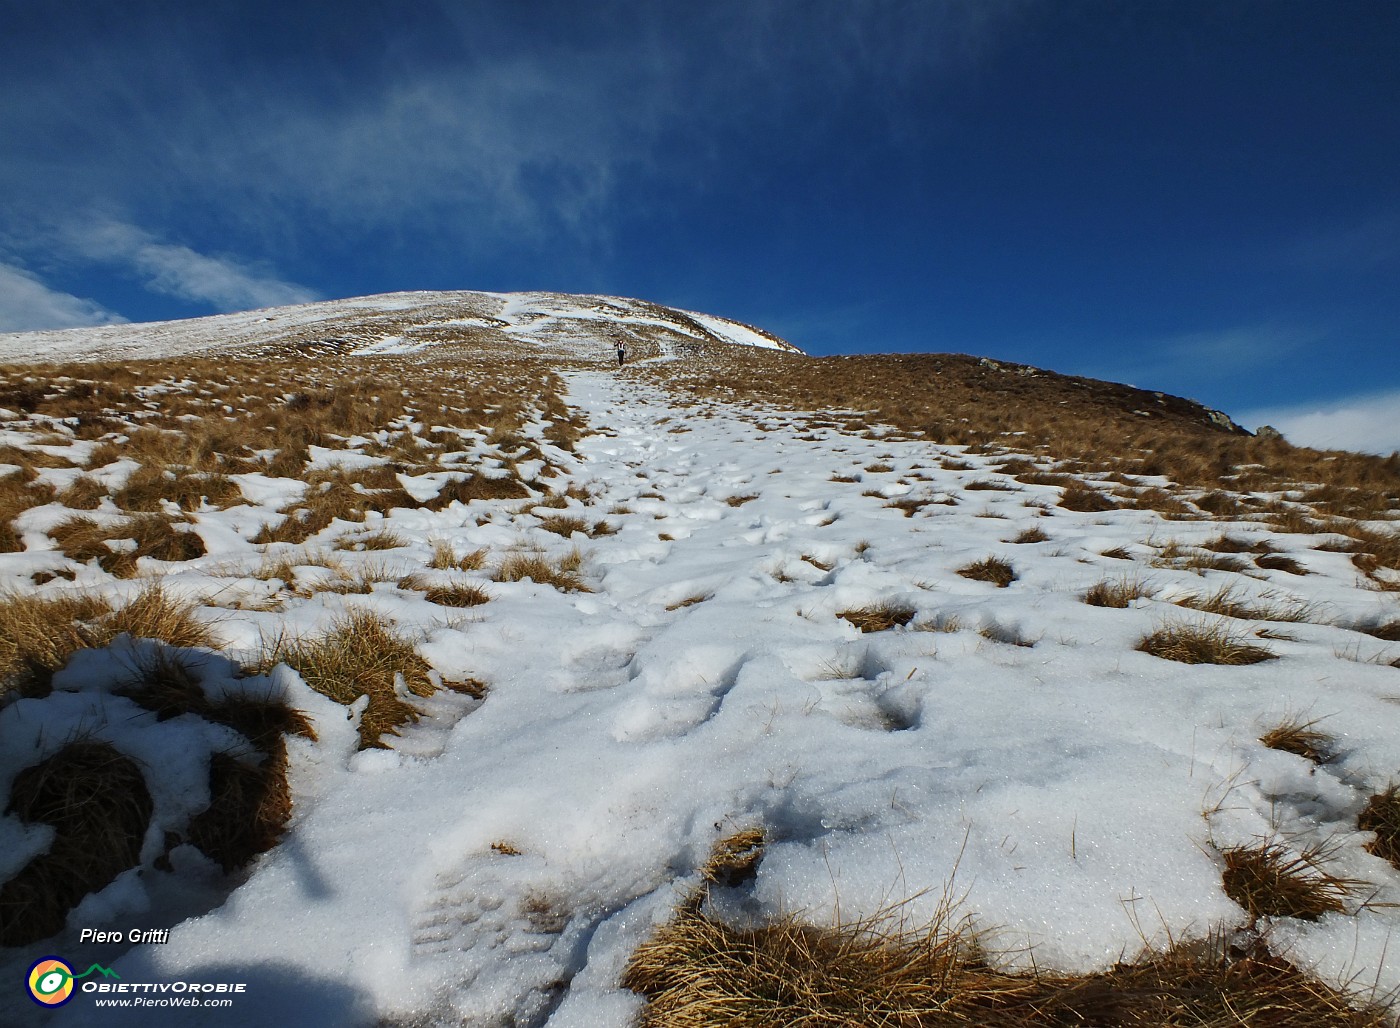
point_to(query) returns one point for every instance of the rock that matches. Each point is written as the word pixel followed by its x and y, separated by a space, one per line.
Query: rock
pixel 1268 432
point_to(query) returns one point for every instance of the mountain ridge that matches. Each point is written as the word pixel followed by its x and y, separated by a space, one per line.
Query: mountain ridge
pixel 391 322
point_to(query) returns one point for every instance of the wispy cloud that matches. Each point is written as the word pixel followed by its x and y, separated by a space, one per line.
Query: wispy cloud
pixel 1362 244
pixel 27 303
pixel 174 270
pixel 1369 422
pixel 451 122
pixel 1189 359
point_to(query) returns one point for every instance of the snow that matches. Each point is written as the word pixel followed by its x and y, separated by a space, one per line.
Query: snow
pixel 390 324
pixel 1075 791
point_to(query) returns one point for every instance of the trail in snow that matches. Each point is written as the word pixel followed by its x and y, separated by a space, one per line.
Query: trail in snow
pixel 502 869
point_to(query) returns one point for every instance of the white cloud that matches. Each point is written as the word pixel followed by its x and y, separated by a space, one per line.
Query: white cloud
pixel 1369 422
pixel 26 304
pixel 174 270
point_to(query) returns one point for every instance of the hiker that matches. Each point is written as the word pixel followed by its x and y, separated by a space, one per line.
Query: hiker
pixel 621 353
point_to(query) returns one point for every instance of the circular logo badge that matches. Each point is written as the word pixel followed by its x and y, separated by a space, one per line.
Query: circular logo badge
pixel 50 982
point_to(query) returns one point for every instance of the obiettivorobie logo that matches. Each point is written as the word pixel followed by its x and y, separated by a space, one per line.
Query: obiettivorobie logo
pixel 51 980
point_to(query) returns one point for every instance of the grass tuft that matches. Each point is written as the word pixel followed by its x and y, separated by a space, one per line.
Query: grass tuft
pixel 562 574
pixel 878 617
pixel 38 635
pixel 991 569
pixel 1382 816
pixel 1034 534
pixel 359 655
pixel 1118 593
pixel 1224 602
pixel 446 594
pixel 97 801
pixel 1294 735
pixel 1270 881
pixel 154 614
pixel 697 971
pixel 1203 643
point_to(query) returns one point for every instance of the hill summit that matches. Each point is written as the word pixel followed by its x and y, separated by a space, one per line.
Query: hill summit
pixel 557 324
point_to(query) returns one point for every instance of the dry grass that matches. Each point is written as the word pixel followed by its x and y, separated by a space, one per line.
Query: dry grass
pixel 154 614
pixel 1389 631
pixel 446 593
pixel 1382 816
pixel 734 859
pixel 1299 737
pixel 1034 534
pixel 564 526
pixel 561 573
pixel 990 569
pixel 13 502
pixel 689 601
pixel 38 635
pixel 154 535
pixel 98 804
pixel 383 539
pixel 1119 592
pixel 1269 880
pixel 697 971
pixel 1212 642
pixel 878 617
pixel 250 800
pixel 1224 601
pixel 1280 562
pixel 1079 496
pixel 359 655
pixel 445 557
pixel 947 623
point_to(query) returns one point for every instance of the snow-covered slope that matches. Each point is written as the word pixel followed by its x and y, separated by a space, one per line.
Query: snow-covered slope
pixel 500 862
pixel 563 324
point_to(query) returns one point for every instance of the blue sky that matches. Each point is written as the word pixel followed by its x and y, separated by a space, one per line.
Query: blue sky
pixel 1197 197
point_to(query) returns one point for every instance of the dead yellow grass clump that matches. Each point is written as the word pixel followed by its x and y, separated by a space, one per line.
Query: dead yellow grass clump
pixel 878 617
pixel 17 495
pixel 561 573
pixel 1270 881
pixel 1034 534
pixel 564 526
pixel 1382 816
pixel 359 655
pixel 446 594
pixel 990 569
pixel 1225 602
pixel 155 614
pixel 1118 592
pixel 1081 497
pixel 153 535
pixel 98 804
pixel 445 557
pixel 1387 631
pixel 38 635
pixel 697 971
pixel 1301 738
pixel 1203 643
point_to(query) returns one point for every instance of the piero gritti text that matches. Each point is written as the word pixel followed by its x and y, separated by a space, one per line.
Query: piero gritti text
pixel 135 937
